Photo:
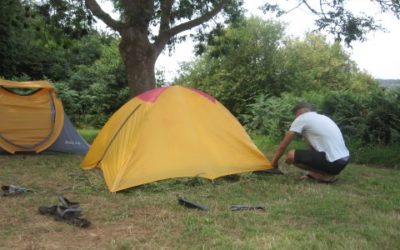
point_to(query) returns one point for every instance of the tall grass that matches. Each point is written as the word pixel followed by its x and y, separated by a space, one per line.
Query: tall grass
pixel 378 155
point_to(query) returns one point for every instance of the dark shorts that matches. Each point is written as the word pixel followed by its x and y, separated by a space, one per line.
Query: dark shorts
pixel 317 161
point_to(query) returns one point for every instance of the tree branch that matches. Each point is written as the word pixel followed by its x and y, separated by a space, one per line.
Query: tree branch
pixel 310 8
pixel 295 7
pixel 195 22
pixel 95 8
pixel 165 35
pixel 166 8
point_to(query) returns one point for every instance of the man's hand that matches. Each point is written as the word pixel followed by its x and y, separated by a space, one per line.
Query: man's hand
pixel 289 136
pixel 290 157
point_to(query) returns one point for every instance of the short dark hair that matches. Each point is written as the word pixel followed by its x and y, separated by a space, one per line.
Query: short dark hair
pixel 301 105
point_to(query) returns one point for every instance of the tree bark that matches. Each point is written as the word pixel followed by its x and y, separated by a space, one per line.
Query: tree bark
pixel 139 57
pixel 139 71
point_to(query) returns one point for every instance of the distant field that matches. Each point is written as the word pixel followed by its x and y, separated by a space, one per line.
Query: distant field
pixel 360 211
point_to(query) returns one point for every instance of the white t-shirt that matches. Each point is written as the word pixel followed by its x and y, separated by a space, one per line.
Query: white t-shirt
pixel 322 133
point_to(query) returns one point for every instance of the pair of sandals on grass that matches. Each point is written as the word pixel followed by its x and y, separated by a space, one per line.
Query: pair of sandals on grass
pixel 69 212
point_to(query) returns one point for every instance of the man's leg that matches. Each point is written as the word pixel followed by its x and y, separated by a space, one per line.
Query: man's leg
pixel 314 173
pixel 322 177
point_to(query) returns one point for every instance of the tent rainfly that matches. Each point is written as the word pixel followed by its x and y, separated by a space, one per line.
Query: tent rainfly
pixel 172 132
pixel 32 119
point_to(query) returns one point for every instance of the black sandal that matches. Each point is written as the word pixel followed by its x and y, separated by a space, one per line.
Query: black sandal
pixel 69 212
pixel 71 216
pixel 51 210
pixel 79 222
pixel 68 204
pixel 63 212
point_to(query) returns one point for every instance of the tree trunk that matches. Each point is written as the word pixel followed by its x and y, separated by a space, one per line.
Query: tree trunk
pixel 138 54
pixel 139 57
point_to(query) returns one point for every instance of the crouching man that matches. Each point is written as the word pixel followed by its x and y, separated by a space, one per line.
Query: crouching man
pixel 328 154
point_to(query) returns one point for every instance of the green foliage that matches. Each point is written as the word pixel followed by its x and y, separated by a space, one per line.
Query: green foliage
pixel 72 101
pixel 30 44
pixel 97 89
pixel 19 52
pixel 370 118
pixel 88 49
pixel 12 22
pixel 238 64
pixel 314 64
pixel 88 134
pixel 65 19
pixel 254 58
pixel 272 116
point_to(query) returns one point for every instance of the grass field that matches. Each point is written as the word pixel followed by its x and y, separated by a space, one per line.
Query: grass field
pixel 360 211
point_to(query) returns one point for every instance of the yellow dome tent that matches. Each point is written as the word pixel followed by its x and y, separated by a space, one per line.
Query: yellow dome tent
pixel 32 119
pixel 172 132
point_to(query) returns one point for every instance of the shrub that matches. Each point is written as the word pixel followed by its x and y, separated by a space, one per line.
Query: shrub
pixel 369 118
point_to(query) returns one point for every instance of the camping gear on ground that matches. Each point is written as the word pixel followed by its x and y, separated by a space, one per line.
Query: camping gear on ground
pixel 191 204
pixel 171 132
pixel 69 212
pixel 246 207
pixel 32 119
pixel 10 190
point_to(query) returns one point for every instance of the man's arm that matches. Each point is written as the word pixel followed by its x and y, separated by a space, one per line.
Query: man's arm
pixel 289 136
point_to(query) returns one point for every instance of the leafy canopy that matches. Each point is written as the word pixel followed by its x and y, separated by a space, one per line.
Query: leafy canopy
pixel 255 58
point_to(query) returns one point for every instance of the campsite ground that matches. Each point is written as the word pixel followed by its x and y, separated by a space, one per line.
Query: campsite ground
pixel 360 211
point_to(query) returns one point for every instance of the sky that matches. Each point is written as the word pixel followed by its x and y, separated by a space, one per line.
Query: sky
pixel 378 56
